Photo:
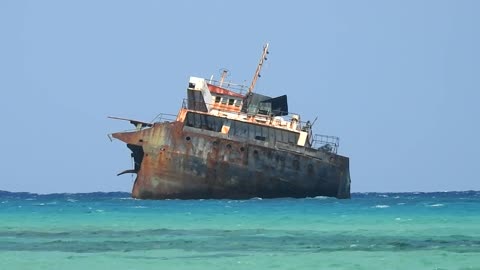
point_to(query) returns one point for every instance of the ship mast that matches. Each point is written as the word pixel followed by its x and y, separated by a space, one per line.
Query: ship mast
pixel 224 74
pixel 259 68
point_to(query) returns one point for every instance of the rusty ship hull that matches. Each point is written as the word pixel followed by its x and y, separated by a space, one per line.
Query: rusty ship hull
pixel 173 160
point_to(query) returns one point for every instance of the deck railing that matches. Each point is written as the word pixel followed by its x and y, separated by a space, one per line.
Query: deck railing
pixel 287 117
pixel 326 143
pixel 164 117
pixel 238 88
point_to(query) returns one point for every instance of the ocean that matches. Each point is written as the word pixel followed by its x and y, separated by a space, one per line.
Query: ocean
pixel 112 231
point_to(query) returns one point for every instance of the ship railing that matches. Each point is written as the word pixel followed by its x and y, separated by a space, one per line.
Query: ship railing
pixel 164 117
pixel 160 118
pixel 139 125
pixel 284 118
pixel 201 104
pixel 326 143
pixel 238 88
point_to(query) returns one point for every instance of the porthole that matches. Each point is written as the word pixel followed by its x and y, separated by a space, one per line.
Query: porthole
pixel 188 138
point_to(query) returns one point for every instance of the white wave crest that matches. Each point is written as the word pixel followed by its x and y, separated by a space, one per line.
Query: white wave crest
pixel 381 206
pixel 436 205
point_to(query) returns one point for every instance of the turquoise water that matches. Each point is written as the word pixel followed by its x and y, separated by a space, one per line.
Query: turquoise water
pixel 113 231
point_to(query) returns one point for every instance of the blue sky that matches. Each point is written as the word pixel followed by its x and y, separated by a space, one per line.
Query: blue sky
pixel 397 81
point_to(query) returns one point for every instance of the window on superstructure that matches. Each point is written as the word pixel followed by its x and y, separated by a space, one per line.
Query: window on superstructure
pixel 203 121
pixel 224 100
pixel 238 103
pixel 260 138
pixel 217 99
pixel 231 101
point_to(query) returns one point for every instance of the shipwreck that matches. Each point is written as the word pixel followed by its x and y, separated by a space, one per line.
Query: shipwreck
pixel 229 142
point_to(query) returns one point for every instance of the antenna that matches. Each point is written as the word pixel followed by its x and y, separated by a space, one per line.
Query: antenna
pixel 259 68
pixel 314 121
